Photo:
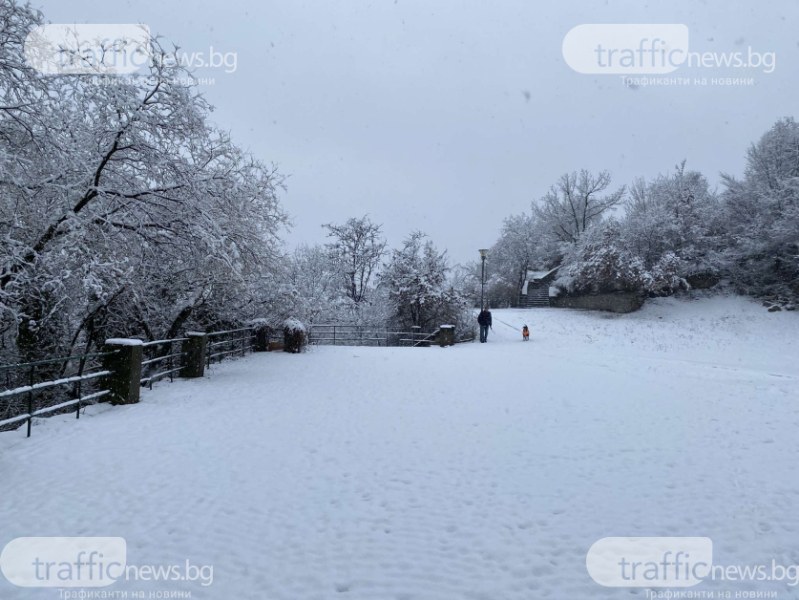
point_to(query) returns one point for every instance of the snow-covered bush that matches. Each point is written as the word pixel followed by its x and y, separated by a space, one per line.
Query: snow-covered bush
pixel 600 263
pixel 665 278
pixel 295 336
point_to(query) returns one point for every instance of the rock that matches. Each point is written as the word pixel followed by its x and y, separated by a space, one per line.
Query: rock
pixel 774 309
pixel 790 307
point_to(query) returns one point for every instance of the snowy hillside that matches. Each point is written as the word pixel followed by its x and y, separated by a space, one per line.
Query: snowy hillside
pixel 483 471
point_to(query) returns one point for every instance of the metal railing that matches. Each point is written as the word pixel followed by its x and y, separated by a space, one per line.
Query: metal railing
pixel 338 334
pixel 228 343
pixel 40 388
pixel 40 395
pixel 161 359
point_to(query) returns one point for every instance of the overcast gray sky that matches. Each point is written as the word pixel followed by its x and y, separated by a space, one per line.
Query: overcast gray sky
pixel 448 116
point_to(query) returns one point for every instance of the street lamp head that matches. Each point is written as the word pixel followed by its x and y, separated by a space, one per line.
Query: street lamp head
pixel 483 253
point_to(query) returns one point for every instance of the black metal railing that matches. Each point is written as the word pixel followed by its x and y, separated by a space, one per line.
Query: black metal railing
pixel 161 359
pixel 58 385
pixel 228 343
pixel 39 388
pixel 338 334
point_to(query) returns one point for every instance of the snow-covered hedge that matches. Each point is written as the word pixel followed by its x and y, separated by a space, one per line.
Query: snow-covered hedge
pixel 295 335
pixel 600 263
pixel 294 325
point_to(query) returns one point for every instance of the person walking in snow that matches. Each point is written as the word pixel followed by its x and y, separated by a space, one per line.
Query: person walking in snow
pixel 484 320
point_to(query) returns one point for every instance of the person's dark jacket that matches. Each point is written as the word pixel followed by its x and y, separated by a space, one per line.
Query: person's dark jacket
pixel 484 318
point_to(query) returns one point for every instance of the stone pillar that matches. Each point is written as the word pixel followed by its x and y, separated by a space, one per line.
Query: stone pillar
pixel 262 338
pixel 446 335
pixel 125 366
pixel 193 349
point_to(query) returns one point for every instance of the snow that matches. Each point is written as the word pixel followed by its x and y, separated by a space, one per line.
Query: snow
pixel 533 275
pixel 259 322
pixel 293 325
pixel 123 342
pixel 52 383
pixel 477 471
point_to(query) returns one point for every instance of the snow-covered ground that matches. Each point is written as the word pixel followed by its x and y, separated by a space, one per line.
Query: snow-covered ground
pixel 483 471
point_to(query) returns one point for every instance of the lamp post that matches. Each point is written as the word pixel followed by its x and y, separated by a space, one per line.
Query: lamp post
pixel 483 254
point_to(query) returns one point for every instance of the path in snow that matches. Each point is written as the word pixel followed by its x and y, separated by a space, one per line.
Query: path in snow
pixel 483 471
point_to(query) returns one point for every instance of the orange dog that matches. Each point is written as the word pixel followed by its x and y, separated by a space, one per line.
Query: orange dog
pixel 525 334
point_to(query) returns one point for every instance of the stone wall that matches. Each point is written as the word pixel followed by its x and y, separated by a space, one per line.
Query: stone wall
pixel 618 302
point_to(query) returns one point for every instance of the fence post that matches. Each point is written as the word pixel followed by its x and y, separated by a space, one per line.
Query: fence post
pixel 193 349
pixel 446 335
pixel 124 382
pixel 262 338
pixel 30 400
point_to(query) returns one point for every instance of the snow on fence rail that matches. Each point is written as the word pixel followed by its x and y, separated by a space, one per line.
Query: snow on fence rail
pixel 35 389
pixel 21 403
pixel 225 343
pixel 162 360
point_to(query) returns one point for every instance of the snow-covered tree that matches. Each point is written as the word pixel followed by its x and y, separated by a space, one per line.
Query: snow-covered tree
pixel 356 249
pixel 418 289
pixel 677 215
pixel 312 285
pixel 576 203
pixel 762 214
pixel 525 242
pixel 122 210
